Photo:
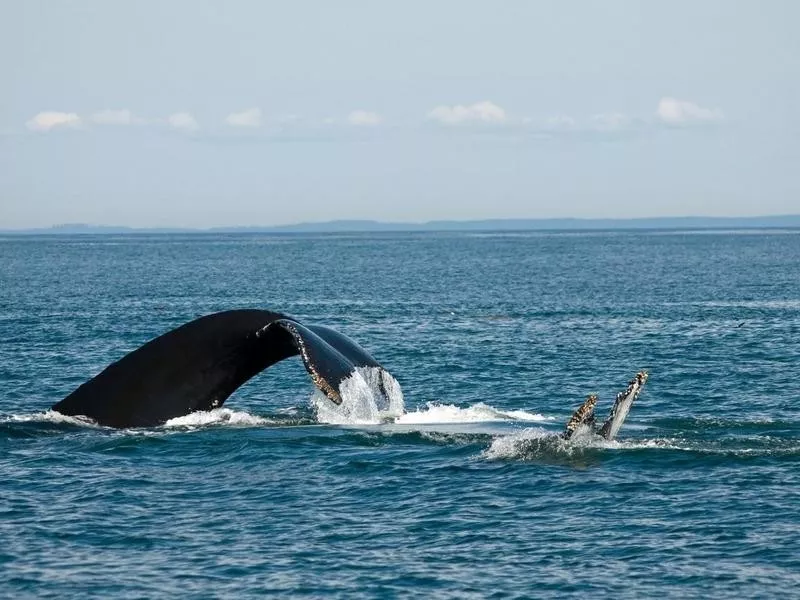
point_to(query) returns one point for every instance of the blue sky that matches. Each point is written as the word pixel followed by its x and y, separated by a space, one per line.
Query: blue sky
pixel 194 113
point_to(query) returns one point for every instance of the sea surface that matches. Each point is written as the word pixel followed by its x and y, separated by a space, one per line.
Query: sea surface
pixel 466 491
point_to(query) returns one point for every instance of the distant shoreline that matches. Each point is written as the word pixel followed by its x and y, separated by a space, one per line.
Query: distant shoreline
pixel 367 226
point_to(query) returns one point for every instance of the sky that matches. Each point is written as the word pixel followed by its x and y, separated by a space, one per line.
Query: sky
pixel 191 113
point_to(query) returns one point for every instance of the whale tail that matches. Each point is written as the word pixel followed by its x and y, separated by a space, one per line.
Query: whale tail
pixel 619 411
pixel 329 356
pixel 200 364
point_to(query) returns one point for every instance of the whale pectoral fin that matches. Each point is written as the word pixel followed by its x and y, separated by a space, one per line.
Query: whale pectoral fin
pixel 622 405
pixel 327 365
pixel 583 416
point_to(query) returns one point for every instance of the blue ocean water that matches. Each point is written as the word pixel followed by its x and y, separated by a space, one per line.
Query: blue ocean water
pixel 495 338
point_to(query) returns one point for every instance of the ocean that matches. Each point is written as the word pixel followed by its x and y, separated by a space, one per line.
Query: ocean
pixel 467 490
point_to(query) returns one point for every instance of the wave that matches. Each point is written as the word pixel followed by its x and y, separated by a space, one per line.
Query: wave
pixel 434 413
pixel 538 443
pixel 218 416
pixel 788 304
pixel 200 419
pixel 370 396
pixel 51 416
pixel 480 426
pixel 759 421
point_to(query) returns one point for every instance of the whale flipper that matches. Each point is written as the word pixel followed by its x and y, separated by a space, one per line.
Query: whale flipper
pixel 622 405
pixel 583 416
pixel 200 364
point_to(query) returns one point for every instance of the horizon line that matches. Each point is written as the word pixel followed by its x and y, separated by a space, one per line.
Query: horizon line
pixel 503 223
pixel 495 223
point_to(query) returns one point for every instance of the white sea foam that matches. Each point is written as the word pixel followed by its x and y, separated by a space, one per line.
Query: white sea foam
pixel 477 413
pixel 509 446
pixel 535 441
pixel 777 447
pixel 49 416
pixel 371 396
pixel 218 416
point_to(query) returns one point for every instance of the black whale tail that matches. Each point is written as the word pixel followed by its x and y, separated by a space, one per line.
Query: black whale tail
pixel 585 416
pixel 200 364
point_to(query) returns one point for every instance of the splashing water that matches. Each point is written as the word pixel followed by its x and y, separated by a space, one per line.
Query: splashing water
pixel 537 442
pixel 369 396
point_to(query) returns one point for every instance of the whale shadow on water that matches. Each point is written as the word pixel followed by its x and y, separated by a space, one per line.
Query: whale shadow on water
pixel 198 365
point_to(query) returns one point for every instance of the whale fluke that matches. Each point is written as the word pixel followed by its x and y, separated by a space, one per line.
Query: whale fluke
pixel 200 364
pixel 619 411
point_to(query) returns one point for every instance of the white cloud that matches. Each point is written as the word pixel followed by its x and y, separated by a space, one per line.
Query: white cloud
pixel 678 112
pixel 288 119
pixel 363 117
pixel 183 121
pixel 480 112
pixel 47 120
pixel 561 123
pixel 247 118
pixel 608 122
pixel 114 117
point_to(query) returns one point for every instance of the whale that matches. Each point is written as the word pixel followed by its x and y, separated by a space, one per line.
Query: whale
pixel 585 417
pixel 198 365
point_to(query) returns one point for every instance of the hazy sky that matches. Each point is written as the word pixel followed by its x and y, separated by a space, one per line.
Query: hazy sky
pixel 194 113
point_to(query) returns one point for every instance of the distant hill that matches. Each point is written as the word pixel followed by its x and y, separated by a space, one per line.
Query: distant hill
pixel 79 228
pixel 342 226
